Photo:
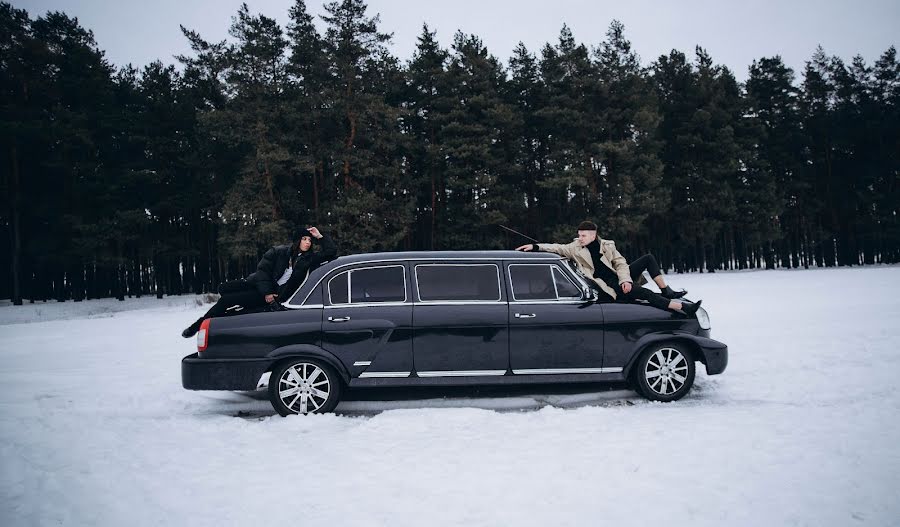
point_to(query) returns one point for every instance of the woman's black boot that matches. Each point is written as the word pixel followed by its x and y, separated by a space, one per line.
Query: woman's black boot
pixel 192 330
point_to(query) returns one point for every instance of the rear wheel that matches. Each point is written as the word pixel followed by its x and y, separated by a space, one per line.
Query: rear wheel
pixel 304 386
pixel 665 372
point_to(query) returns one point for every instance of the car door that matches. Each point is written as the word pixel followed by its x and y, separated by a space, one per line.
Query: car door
pixel 368 319
pixel 551 329
pixel 459 319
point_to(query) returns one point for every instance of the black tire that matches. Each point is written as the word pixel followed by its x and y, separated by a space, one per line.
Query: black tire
pixel 665 372
pixel 293 379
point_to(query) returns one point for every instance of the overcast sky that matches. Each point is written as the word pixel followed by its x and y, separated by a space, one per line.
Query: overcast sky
pixel 733 32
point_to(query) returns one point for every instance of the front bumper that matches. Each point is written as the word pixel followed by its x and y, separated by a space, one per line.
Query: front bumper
pixel 715 354
pixel 222 374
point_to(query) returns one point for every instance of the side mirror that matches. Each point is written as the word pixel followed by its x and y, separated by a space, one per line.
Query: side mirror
pixel 587 293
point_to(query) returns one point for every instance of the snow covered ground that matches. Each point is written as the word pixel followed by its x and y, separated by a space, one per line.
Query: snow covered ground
pixel 803 428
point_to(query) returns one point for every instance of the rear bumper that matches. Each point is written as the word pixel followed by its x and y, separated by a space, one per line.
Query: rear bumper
pixel 715 355
pixel 222 374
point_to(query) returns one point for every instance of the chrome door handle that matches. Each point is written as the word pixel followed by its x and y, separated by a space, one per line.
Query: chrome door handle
pixel 525 315
pixel 339 319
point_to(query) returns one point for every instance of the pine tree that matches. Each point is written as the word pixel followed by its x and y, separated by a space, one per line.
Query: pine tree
pixel 885 114
pixel 817 102
pixel 478 150
pixel 702 157
pixel 527 94
pixel 373 204
pixel 430 100
pixel 627 148
pixel 571 185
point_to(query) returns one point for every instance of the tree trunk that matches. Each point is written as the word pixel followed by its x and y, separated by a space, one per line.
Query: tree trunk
pixel 14 231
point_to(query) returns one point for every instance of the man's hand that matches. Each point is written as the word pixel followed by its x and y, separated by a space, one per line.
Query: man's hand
pixel 271 298
pixel 626 287
pixel 526 247
pixel 315 232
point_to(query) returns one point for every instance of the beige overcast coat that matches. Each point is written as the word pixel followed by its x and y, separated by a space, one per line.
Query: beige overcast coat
pixel 582 258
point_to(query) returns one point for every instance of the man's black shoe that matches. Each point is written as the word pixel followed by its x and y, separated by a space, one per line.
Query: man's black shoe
pixel 690 309
pixel 671 294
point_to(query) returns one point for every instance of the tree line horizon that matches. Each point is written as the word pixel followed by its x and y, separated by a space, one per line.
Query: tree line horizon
pixel 163 180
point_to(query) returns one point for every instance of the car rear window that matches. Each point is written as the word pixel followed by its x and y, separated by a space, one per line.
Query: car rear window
pixel 458 282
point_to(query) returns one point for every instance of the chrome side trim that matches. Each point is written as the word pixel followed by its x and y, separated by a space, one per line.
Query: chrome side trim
pixel 383 374
pixel 461 373
pixel 460 303
pixel 559 371
pixel 545 302
pixel 311 306
pixel 362 363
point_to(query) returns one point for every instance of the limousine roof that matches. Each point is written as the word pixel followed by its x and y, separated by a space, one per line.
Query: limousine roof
pixel 446 255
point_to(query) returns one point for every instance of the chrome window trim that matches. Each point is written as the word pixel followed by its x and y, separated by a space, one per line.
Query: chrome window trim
pixel 462 373
pixel 424 258
pixel 349 274
pixel 383 374
pixel 434 264
pixel 562 371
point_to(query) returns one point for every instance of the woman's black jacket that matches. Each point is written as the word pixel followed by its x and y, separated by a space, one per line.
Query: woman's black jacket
pixel 276 261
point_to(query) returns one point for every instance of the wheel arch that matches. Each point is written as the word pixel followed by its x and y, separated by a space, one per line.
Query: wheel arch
pixel 307 351
pixel 689 341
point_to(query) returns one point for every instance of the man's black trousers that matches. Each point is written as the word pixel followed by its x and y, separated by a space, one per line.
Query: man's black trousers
pixel 644 263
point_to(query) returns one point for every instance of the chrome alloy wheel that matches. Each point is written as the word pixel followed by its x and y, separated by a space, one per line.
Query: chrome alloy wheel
pixel 666 371
pixel 303 388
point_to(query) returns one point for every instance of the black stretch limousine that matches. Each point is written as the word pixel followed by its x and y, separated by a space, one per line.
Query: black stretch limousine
pixel 448 318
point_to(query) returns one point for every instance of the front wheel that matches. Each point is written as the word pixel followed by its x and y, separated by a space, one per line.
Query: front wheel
pixel 665 372
pixel 304 386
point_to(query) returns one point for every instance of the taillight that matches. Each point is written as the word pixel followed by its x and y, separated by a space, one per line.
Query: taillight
pixel 203 336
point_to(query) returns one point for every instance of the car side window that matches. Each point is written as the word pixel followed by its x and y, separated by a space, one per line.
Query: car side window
pixel 368 285
pixel 565 288
pixel 338 293
pixel 458 282
pixel 532 282
pixel 541 282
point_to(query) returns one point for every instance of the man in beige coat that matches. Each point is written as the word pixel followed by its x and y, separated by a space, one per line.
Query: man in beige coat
pixel 599 260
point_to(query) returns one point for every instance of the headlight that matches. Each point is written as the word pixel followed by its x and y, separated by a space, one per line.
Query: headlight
pixel 703 318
